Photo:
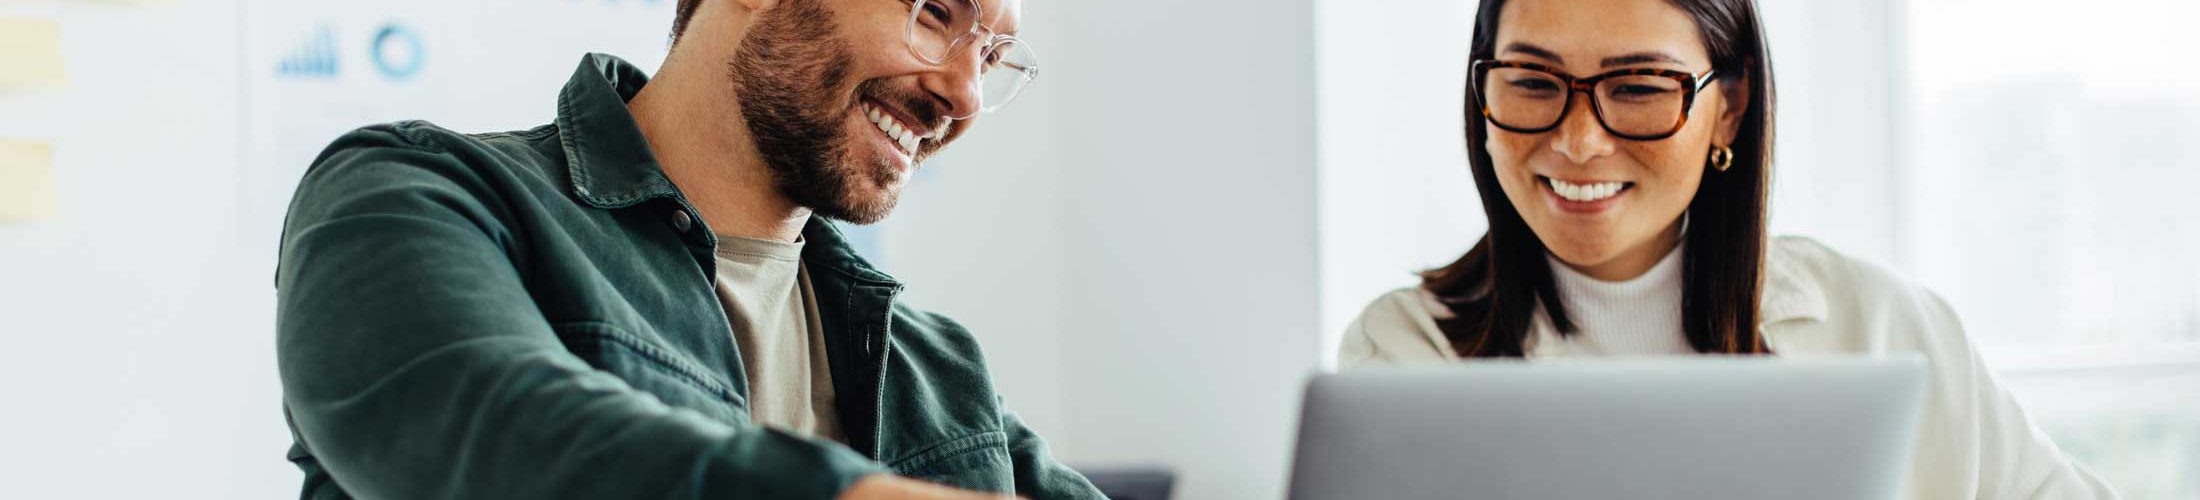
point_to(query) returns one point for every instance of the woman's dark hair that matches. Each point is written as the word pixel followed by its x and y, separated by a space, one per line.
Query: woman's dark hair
pixel 1493 291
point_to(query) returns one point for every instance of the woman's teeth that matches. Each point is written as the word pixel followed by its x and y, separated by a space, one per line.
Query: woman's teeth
pixel 1586 192
pixel 902 136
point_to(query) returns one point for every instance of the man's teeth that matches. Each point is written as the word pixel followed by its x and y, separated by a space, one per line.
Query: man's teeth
pixel 902 136
pixel 1586 192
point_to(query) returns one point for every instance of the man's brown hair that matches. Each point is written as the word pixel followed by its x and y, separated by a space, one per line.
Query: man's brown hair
pixel 686 10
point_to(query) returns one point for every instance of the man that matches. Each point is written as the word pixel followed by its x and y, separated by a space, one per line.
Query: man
pixel 644 299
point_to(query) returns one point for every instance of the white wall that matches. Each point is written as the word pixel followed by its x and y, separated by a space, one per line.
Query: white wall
pixel 1396 196
pixel 139 319
pixel 1133 243
pixel 1191 162
pixel 1838 66
pixel 139 340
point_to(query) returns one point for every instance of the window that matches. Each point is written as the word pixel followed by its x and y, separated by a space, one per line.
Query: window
pixel 2049 174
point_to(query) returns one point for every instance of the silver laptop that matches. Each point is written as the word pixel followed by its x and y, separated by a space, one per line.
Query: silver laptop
pixel 1692 428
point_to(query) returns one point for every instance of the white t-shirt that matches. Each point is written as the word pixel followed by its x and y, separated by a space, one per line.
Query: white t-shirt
pixel 766 292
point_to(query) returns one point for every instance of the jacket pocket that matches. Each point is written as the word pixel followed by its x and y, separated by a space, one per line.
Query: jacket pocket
pixel 651 368
pixel 978 462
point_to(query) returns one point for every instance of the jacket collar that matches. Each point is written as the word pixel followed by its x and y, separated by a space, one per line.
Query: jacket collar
pixel 609 160
pixel 611 165
pixel 829 249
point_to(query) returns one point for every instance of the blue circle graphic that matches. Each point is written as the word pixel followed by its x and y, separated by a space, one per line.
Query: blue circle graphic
pixel 416 54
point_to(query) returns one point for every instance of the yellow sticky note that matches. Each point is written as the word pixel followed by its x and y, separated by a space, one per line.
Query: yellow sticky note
pixel 26 180
pixel 30 53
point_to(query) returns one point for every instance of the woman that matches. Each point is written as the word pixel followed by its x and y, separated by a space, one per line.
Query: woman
pixel 1622 150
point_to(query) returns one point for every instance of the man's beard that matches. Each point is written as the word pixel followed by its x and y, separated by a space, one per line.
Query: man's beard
pixel 787 74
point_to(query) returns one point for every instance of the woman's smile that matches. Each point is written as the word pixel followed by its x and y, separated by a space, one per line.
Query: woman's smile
pixel 1583 197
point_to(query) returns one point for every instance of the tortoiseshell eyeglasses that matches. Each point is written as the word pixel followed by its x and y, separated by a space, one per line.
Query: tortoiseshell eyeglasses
pixel 1643 104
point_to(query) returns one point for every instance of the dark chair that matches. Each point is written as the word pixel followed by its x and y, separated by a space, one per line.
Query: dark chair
pixel 1132 482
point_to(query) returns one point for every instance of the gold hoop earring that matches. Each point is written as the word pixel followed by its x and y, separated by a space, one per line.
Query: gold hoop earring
pixel 1722 158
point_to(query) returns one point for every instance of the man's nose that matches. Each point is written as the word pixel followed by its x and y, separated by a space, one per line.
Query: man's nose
pixel 959 82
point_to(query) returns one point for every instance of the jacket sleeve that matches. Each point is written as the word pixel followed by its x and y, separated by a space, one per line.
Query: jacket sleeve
pixel 1356 348
pixel 1038 476
pixel 1397 329
pixel 415 364
pixel 2015 459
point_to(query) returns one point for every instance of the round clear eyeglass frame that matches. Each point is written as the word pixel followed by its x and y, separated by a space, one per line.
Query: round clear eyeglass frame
pixel 938 30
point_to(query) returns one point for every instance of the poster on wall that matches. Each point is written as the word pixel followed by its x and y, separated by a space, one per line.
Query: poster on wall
pixel 316 69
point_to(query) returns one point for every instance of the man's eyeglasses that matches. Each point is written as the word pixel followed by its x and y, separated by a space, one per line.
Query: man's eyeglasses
pixel 939 29
pixel 1640 104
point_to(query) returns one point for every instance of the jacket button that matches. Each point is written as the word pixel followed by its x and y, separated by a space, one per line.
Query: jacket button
pixel 682 221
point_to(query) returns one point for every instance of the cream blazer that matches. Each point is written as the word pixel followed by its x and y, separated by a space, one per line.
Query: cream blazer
pixel 1974 441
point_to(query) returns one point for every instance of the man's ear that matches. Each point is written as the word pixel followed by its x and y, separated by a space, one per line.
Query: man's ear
pixel 1733 108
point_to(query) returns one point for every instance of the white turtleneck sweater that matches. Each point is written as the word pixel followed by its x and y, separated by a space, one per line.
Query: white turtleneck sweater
pixel 1637 317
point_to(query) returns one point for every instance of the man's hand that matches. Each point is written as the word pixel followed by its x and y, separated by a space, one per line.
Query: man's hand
pixel 884 486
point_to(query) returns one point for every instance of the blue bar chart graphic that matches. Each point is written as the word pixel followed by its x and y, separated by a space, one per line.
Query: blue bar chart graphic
pixel 316 56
